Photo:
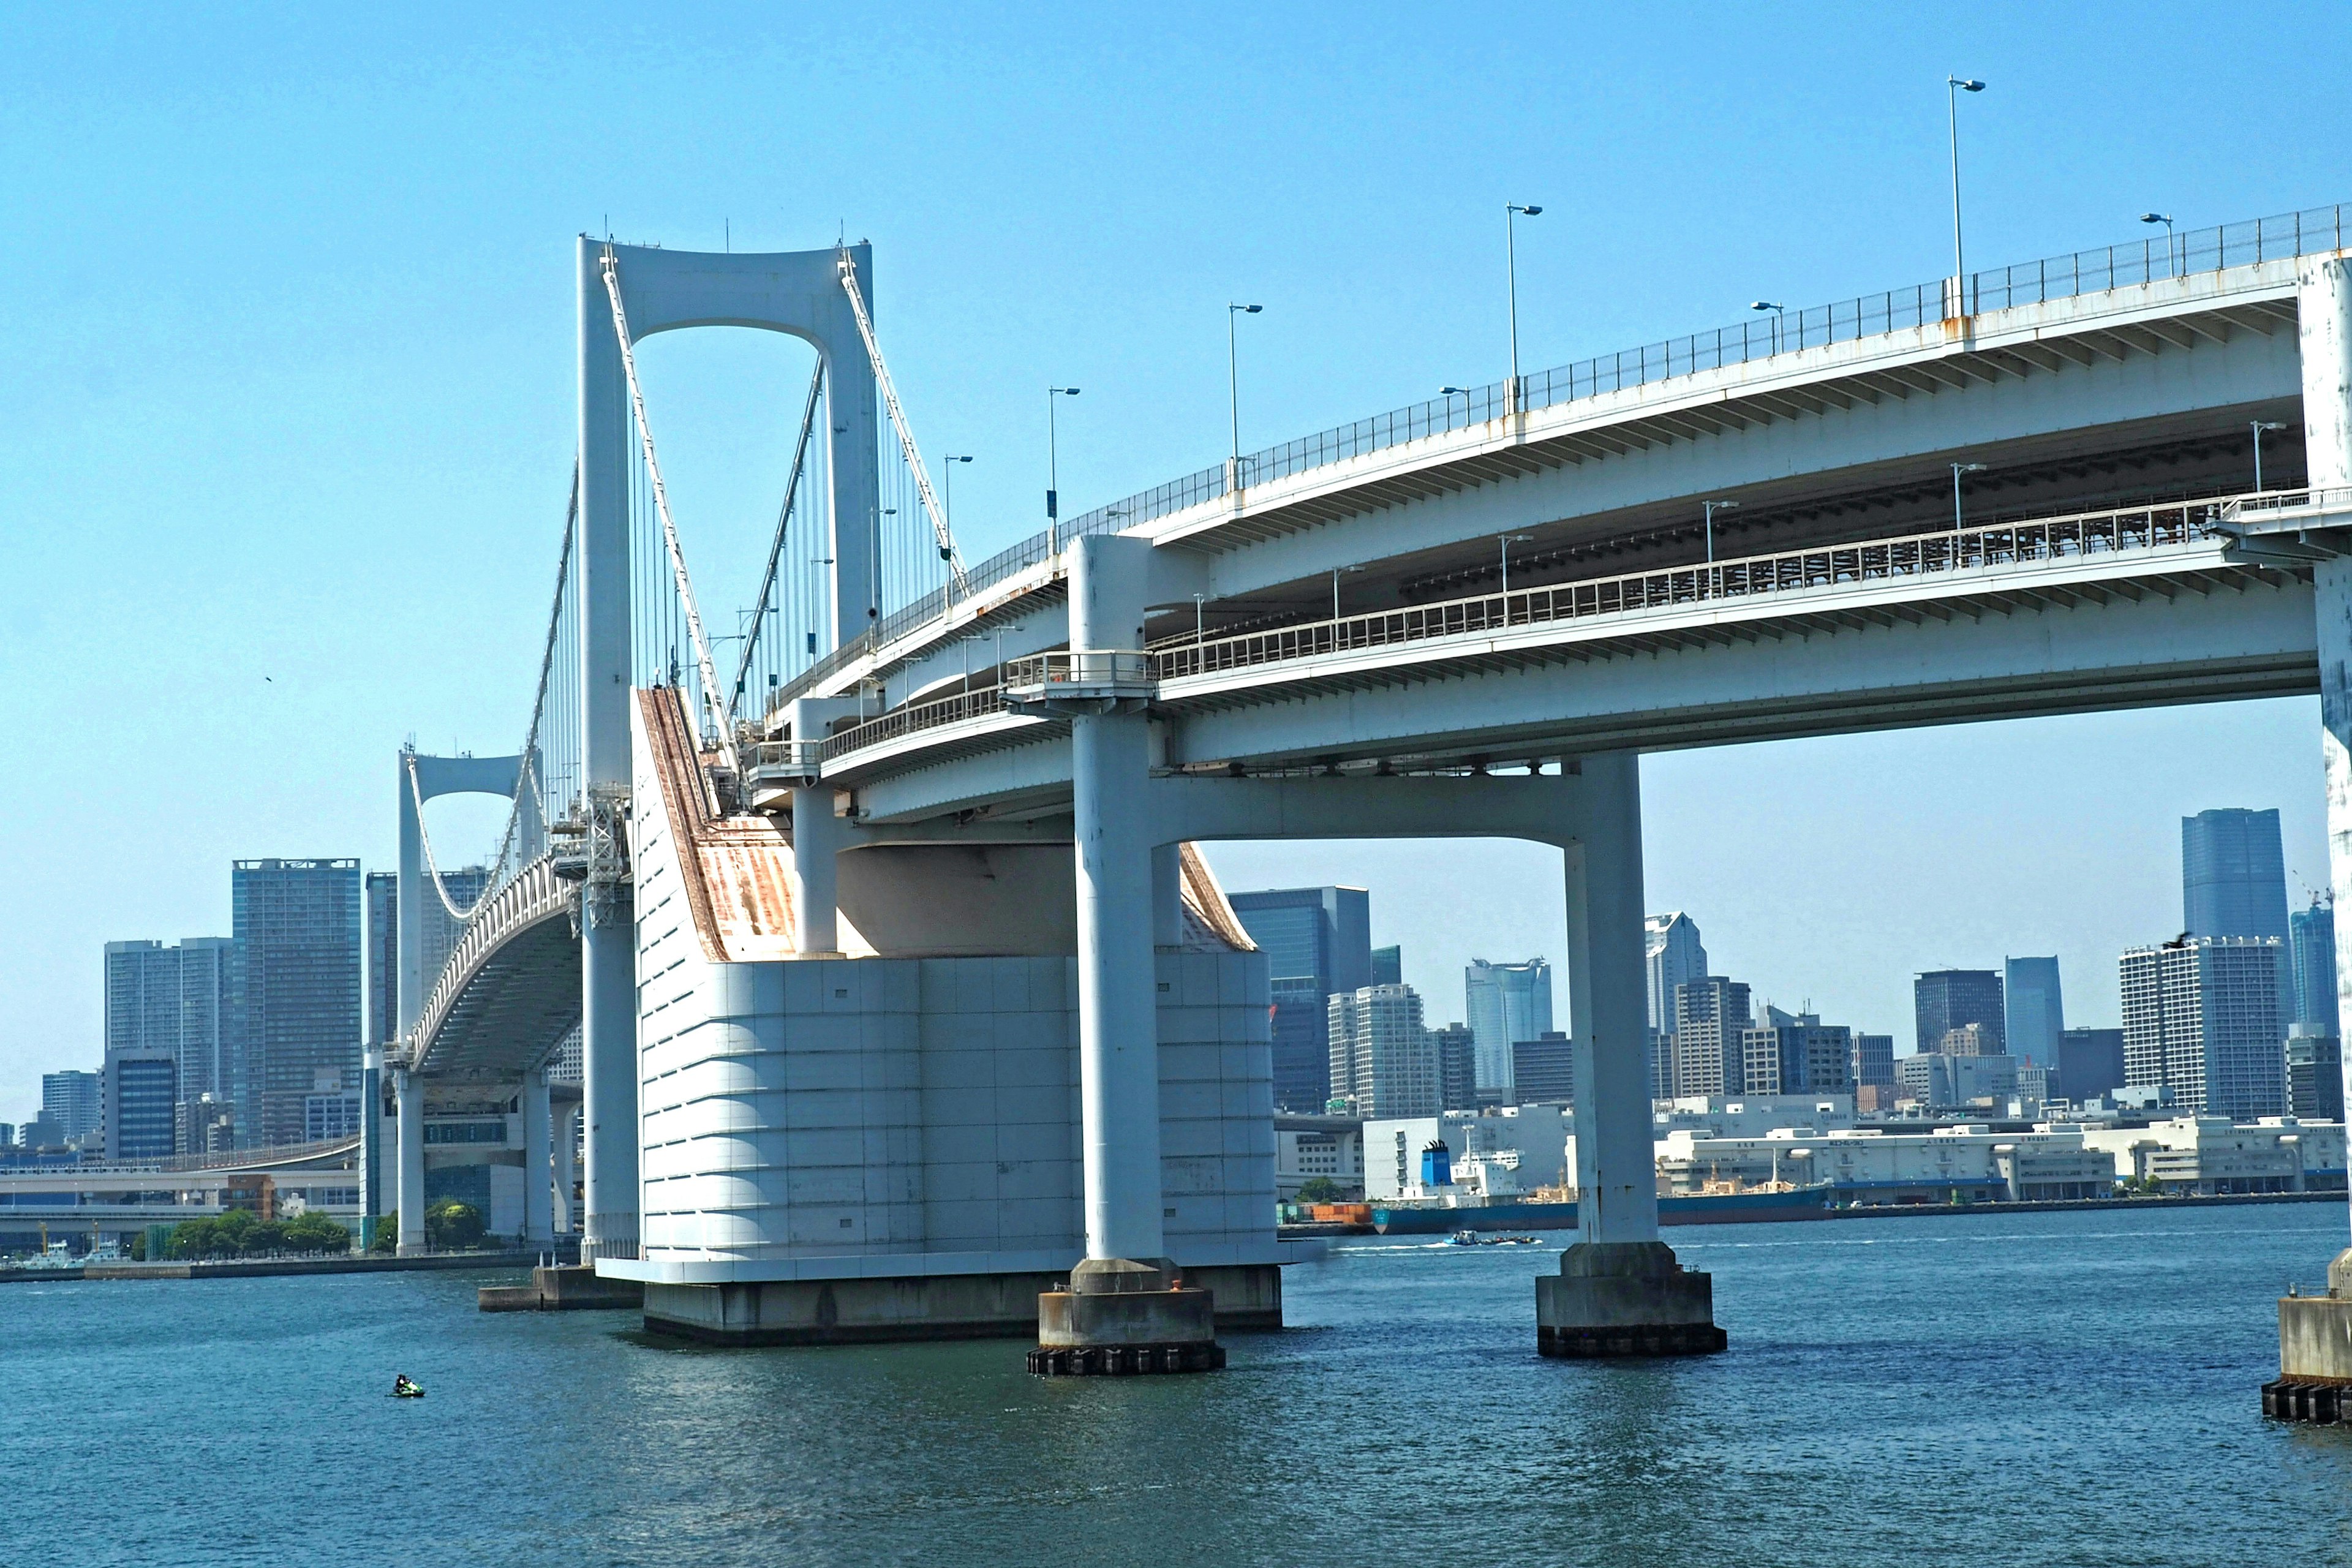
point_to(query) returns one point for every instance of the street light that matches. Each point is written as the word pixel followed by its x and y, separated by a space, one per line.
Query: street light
pixel 1712 508
pixel 1233 379
pixel 1512 211
pixel 1335 588
pixel 1958 469
pixel 2166 219
pixel 1773 305
pixel 949 479
pixel 1463 393
pixel 1053 464
pixel 2262 427
pixel 1507 540
pixel 1953 87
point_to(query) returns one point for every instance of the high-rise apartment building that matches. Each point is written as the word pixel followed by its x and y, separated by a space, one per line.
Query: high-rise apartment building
pixel 2312 934
pixel 297 988
pixel 139 1098
pixel 2233 875
pixel 1318 943
pixel 2090 1064
pixel 1796 1053
pixel 1457 1066
pixel 1671 953
pixel 1381 1056
pixel 1711 1018
pixel 1949 999
pixel 181 1000
pixel 1871 1065
pixel 1388 966
pixel 381 892
pixel 2034 1015
pixel 2201 1018
pixel 71 1102
pixel 1507 1003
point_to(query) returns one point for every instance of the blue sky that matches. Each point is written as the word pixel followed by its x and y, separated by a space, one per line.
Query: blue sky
pixel 290 412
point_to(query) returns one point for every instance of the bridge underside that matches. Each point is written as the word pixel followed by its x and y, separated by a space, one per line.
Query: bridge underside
pixel 516 1008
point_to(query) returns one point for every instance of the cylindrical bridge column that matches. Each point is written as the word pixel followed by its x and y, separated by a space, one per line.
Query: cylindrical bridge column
pixel 409 1183
pixel 1617 1193
pixel 2324 308
pixel 608 1082
pixel 538 1179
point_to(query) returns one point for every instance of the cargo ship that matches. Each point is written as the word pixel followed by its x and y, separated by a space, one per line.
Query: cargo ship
pixel 1755 1204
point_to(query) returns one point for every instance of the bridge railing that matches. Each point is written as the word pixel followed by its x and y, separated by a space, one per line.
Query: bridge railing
pixel 2047 539
pixel 2313 231
pixel 1693 586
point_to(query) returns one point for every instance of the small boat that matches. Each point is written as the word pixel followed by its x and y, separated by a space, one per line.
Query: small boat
pixel 409 1391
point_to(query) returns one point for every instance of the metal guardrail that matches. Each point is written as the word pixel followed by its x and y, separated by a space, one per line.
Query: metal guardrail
pixel 1065 671
pixel 2074 536
pixel 2313 231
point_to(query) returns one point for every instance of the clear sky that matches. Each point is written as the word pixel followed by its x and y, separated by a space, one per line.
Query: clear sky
pixel 290 408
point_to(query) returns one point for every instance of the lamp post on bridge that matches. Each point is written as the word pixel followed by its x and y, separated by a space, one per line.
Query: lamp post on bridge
pixel 1507 540
pixel 1512 211
pixel 1335 572
pixel 1712 507
pixel 2262 427
pixel 1958 469
pixel 947 478
pixel 1953 87
pixel 1461 392
pixel 1774 306
pixel 1233 383
pixel 2166 219
pixel 1053 466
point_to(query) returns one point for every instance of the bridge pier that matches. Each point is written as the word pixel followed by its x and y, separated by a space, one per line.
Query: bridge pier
pixel 538 1175
pixel 2315 1332
pixel 1125 1309
pixel 818 838
pixel 409 1184
pixel 1619 1290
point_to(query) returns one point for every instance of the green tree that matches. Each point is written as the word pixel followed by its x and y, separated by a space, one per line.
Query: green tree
pixel 1321 1190
pixel 453 1226
pixel 387 1233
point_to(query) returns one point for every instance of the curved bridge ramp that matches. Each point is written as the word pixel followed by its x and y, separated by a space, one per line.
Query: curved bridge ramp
pixel 510 991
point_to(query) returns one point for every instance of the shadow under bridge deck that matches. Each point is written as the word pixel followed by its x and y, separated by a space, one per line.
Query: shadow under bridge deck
pixel 511 990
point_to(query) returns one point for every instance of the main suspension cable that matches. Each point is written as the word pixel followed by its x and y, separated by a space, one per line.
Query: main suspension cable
pixel 709 675
pixel 940 535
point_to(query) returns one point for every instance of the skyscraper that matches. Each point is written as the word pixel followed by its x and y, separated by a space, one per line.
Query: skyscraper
pixel 70 1101
pixel 1381 1056
pixel 1543 1070
pixel 1457 1066
pixel 2312 933
pixel 382 891
pixel 1711 1018
pixel 297 988
pixel 2201 1018
pixel 180 1000
pixel 1949 999
pixel 2090 1064
pixel 1388 966
pixel 2034 1015
pixel 1318 942
pixel 2232 874
pixel 1673 954
pixel 1507 1003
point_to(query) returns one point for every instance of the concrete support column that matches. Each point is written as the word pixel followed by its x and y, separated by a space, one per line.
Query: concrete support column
pixel 608 1087
pixel 818 837
pixel 1619 1291
pixel 566 1173
pixel 2325 310
pixel 409 1184
pixel 538 1184
pixel 1118 1047
pixel 1617 1193
pixel 1166 895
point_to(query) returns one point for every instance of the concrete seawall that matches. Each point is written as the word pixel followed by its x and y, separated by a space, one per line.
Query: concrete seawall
pixel 258 1267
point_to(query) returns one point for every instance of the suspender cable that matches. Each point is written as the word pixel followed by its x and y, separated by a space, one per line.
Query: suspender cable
pixel 776 550
pixel 710 676
pixel 940 535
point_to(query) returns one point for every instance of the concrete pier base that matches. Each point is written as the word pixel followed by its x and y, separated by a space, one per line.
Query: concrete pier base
pixel 2314 1380
pixel 1245 1298
pixel 1625 1299
pixel 570 1288
pixel 1121 1317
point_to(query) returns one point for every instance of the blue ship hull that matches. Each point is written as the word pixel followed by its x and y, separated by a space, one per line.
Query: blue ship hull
pixel 1711 1208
